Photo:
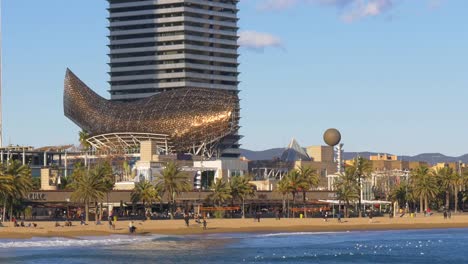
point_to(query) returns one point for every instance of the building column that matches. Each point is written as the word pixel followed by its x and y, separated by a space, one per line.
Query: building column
pixel 24 157
pixel 66 164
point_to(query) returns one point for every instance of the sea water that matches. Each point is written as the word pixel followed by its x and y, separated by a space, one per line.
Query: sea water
pixel 406 246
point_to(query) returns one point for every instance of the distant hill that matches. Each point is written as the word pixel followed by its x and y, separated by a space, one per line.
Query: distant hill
pixel 430 158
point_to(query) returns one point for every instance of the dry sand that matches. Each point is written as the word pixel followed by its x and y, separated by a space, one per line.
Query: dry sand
pixel 177 227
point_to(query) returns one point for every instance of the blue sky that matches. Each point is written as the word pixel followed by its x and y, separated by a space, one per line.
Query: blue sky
pixel 392 75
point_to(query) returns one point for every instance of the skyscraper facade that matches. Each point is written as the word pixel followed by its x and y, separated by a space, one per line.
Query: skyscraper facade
pixel 160 45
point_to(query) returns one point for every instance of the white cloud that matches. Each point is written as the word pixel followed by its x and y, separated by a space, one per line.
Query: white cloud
pixel 370 8
pixel 350 10
pixel 277 4
pixel 258 40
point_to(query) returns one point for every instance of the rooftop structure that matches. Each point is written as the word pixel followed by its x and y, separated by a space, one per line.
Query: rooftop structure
pixel 294 152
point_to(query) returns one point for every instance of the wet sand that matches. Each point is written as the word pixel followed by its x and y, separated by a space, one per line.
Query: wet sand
pixel 177 227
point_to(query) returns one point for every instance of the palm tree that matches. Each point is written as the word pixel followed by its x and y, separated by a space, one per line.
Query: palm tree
pixel 309 180
pixel 284 189
pixel 241 187
pixel 83 137
pixel 21 182
pixel 424 186
pixel 447 181
pixel 172 182
pixel 401 193
pixel 6 189
pixel 146 192
pixel 346 189
pixel 221 192
pixel 295 183
pixel 361 169
pixel 89 187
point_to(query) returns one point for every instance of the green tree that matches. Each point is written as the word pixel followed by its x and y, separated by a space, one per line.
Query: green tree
pixel 89 186
pixel 83 138
pixel 6 189
pixel 309 180
pixel 241 187
pixel 361 169
pixel 145 192
pixel 21 182
pixel 401 193
pixel 447 181
pixel 424 186
pixel 284 188
pixel 295 182
pixel 220 192
pixel 171 183
pixel 346 189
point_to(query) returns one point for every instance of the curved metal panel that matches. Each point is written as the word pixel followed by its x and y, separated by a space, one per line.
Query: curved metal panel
pixel 190 116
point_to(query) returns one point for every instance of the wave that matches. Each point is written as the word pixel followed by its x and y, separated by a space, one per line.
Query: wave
pixel 57 242
pixel 299 234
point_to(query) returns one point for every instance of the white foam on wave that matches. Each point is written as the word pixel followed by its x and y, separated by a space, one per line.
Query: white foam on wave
pixel 58 242
pixel 298 234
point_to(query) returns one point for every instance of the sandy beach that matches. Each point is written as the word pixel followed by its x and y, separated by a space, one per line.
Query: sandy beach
pixel 177 227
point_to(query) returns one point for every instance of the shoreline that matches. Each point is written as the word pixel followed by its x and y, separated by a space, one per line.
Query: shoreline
pixel 220 226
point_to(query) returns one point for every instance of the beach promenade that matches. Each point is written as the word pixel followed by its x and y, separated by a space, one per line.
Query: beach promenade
pixel 177 227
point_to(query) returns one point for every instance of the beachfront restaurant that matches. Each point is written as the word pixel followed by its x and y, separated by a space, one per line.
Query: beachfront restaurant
pixel 58 205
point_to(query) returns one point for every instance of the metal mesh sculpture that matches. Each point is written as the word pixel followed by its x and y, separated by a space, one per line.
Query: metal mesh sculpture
pixel 188 117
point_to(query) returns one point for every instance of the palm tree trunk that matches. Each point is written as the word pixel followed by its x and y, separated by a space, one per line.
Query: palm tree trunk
pixel 11 208
pixel 346 209
pixel 87 211
pixel 288 204
pixel 243 208
pixel 284 202
pixel 426 202
pixel 455 197
pixel 294 204
pixel 421 204
pixel 447 200
pixel 4 210
pixel 304 201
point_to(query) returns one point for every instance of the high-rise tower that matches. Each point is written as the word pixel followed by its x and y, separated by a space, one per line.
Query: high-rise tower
pixel 159 45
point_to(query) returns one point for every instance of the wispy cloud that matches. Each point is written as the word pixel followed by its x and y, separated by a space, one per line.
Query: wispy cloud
pixel 277 4
pixel 350 10
pixel 258 40
pixel 364 9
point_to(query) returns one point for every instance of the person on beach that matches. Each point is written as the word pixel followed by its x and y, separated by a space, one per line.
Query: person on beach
pixel 449 214
pixel 131 227
pixel 187 219
pixel 445 214
pixel 339 216
pixel 259 214
pixel 204 223
pixel 110 222
pixel 370 216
